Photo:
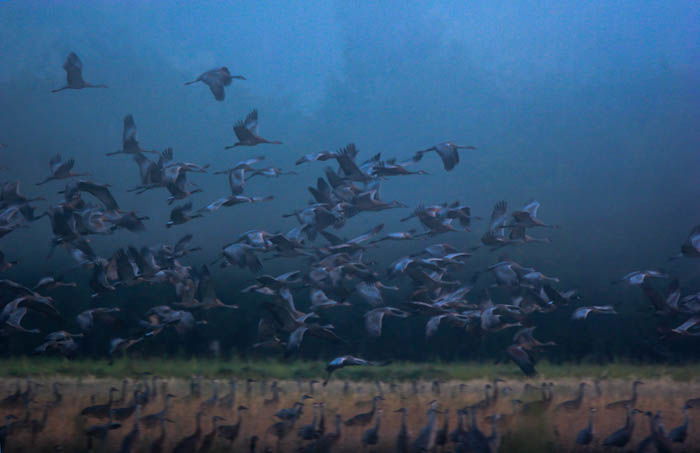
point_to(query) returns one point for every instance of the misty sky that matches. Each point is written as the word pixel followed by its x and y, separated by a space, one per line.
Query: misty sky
pixel 590 107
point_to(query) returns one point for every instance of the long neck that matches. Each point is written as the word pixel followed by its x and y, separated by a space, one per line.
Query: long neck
pixel 494 428
pixel 199 424
pixel 337 426
pixel 240 418
pixel 432 419
pixel 579 397
pixel 45 416
pixel 634 391
pixel 472 417
pixel 630 422
pixel 379 421
pixel 495 391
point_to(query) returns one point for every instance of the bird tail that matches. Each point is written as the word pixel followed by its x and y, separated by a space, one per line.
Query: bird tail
pixel 191 82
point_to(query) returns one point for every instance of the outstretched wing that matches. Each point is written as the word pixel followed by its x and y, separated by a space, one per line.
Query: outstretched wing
pixel 74 69
pixel 373 322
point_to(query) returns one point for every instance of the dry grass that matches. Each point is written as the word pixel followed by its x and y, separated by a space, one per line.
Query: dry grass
pixel 534 433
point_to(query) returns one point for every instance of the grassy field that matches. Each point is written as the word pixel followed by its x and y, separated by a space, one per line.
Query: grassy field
pixel 546 430
pixel 275 369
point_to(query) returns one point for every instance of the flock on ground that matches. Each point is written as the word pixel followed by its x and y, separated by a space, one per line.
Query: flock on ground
pixel 335 272
pixel 485 418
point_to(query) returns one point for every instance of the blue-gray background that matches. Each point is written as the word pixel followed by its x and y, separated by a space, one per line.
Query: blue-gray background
pixel 593 108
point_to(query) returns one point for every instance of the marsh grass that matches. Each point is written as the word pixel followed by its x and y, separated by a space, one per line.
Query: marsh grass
pixel 276 369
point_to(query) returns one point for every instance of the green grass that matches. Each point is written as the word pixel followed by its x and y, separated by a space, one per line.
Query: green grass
pixel 276 369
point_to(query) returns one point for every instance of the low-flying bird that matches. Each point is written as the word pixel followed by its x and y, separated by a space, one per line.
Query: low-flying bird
pixel 247 132
pixel 582 313
pixel 60 169
pixel 348 360
pixel 216 80
pixel 448 152
pixel 74 75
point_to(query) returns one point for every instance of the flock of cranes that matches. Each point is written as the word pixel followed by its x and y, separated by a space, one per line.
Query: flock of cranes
pixel 331 272
pixel 145 415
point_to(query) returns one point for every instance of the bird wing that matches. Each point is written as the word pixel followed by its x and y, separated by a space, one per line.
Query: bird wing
pixel 431 327
pixel 251 122
pixel 581 313
pixel 55 163
pixel 365 236
pixel 101 192
pixel 74 69
pixel 449 156
pixel 522 359
pixel 498 216
pixel 217 89
pixel 370 293
pixel 129 131
pixel 373 321
pixel 295 338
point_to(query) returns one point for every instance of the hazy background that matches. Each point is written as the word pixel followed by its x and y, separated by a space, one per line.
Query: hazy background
pixel 592 108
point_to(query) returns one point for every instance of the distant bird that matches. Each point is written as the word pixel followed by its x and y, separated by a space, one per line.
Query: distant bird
pixel 129 143
pixel 101 410
pixel 364 418
pixel 60 169
pixel 691 247
pixel 448 152
pixel 527 217
pixel 247 132
pixel 74 75
pixel 189 443
pixel 523 359
pixel 157 446
pixel 582 313
pixel 425 440
pixel 403 436
pixel 371 436
pixel 131 440
pixel 179 215
pixel 639 277
pixel 326 442
pixel 210 437
pixel 622 436
pixel 573 404
pixel 585 436
pixel 680 433
pixel 216 80
pixel 630 403
pixel 231 432
pixel 100 431
pixel 347 360
pixel 373 319
pixel 5 430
